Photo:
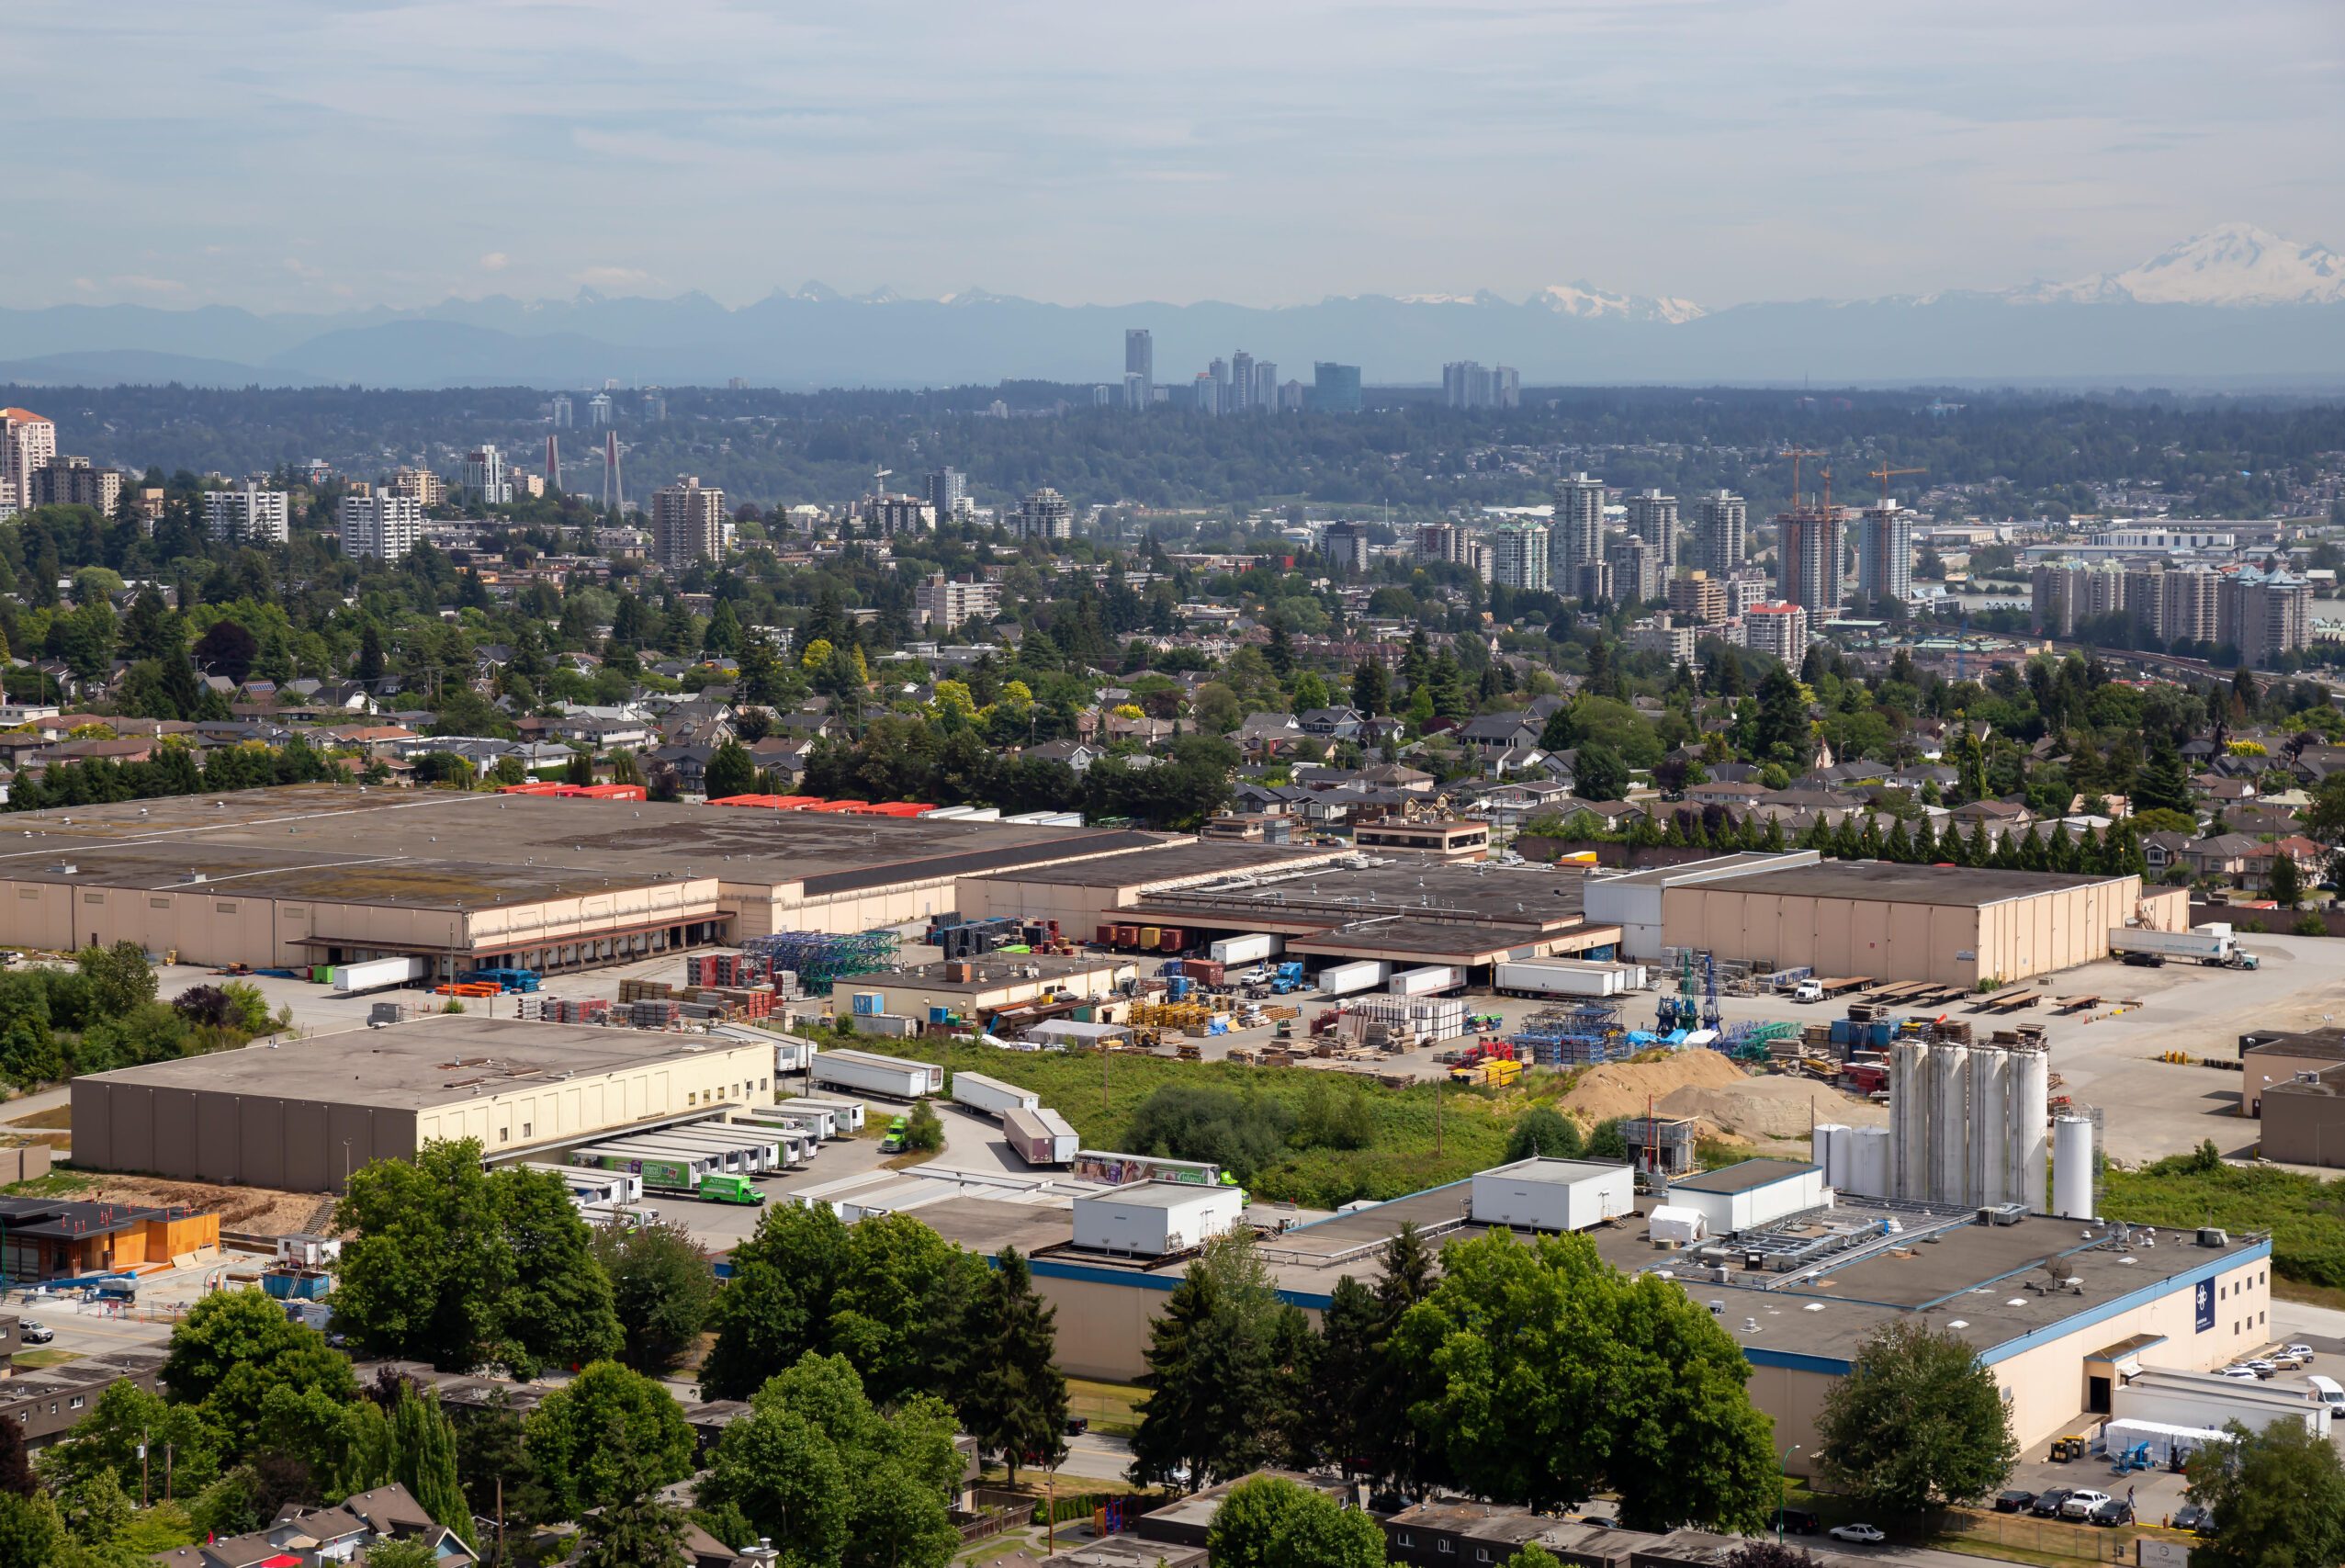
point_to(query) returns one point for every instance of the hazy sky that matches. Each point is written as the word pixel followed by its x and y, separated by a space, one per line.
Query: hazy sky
pixel 321 153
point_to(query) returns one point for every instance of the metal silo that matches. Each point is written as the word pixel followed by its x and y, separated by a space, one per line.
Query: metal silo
pixel 1869 1161
pixel 2029 1086
pixel 1991 1161
pixel 1950 1125
pixel 1910 1093
pixel 1832 1151
pixel 2072 1168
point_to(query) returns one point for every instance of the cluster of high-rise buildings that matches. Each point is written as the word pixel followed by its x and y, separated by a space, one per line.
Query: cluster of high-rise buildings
pixel 1239 384
pixel 2266 615
pixel 1466 385
pixel 34 473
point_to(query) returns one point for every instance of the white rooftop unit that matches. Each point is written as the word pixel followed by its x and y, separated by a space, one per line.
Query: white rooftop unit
pixel 1755 1192
pixel 1152 1218
pixel 1552 1194
pixel 1668 1222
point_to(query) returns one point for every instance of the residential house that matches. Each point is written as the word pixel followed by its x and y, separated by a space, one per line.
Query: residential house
pixel 1494 733
pixel 2310 857
pixel 2221 857
pixel 1331 724
pixel 1266 735
pixel 1077 754
pixel 2000 815
pixel 307 1536
pixel 686 767
pixel 2162 850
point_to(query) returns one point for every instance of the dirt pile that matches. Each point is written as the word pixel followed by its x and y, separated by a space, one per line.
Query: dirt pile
pixel 1773 1107
pixel 1628 1089
pixel 263 1211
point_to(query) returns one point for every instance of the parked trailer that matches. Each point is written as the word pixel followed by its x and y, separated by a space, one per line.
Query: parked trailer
pixel 589 1185
pixel 1561 978
pixel 1251 949
pixel 991 1096
pixel 1343 979
pixel 1041 1135
pixel 2212 943
pixel 847 1113
pixel 815 1121
pixel 759 1149
pixel 672 1173
pixel 891 1076
pixel 730 1162
pixel 378 973
pixel 1430 981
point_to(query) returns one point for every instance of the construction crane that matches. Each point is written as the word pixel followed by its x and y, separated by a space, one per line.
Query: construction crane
pixel 1885 473
pixel 1795 454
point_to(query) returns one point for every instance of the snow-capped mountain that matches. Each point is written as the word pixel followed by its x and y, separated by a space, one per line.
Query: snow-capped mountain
pixel 1588 302
pixel 2232 264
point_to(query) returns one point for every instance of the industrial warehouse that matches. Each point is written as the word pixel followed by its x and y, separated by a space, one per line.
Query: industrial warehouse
pixel 327 874
pixel 304 1114
pixel 2061 1312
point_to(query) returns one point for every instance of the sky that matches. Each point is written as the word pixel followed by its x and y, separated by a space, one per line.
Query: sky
pixel 326 154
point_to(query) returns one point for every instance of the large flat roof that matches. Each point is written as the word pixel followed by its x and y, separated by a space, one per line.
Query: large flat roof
pixel 1889 883
pixel 1172 861
pixel 1742 1176
pixel 436 1060
pixel 1481 893
pixel 445 848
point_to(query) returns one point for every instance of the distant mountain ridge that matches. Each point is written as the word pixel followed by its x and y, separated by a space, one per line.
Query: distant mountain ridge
pixel 2233 303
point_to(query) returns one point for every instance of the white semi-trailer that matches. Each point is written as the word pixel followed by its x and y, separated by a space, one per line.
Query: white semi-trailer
pixel 991 1096
pixel 870 1073
pixel 2212 945
pixel 1343 979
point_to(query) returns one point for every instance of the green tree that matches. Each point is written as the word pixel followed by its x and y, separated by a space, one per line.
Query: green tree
pixel 1543 1131
pixel 731 770
pixel 119 977
pixel 393 1552
pixel 2162 784
pixel 238 1356
pixel 1017 1399
pixel 1225 1387
pixel 1598 772
pixel 2278 1498
pixel 456 1266
pixel 923 1129
pixel 123 1416
pixel 31 1531
pixel 1917 1423
pixel 606 1431
pixel 1268 1521
pixel 2286 885
pixel 1601 1382
pixel 636 1531
pixel 1781 733
pixel 777 1306
pixel 1371 690
pixel 661 1287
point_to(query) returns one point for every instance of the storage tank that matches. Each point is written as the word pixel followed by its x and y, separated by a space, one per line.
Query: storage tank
pixel 2072 1168
pixel 2029 1081
pixel 1831 1153
pixel 1869 1161
pixel 1911 1088
pixel 1950 1124
pixel 1992 1164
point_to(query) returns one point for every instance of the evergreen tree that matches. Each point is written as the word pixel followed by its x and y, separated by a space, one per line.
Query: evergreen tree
pixel 1371 688
pixel 2162 784
pixel 1017 1402
pixel 724 633
pixel 423 1459
pixel 730 771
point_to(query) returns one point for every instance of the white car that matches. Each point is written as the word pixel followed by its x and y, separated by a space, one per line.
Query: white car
pixel 1864 1535
pixel 2081 1504
pixel 2302 1352
pixel 2239 1374
pixel 32 1331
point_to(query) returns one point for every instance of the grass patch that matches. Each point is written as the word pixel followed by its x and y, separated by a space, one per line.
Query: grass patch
pixel 59 1116
pixel 2305 1215
pixel 56 1184
pixel 1112 1409
pixel 2286 1289
pixel 1406 1153
pixel 34 1359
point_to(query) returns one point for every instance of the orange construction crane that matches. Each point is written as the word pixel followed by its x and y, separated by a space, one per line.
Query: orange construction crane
pixel 1795 454
pixel 1885 473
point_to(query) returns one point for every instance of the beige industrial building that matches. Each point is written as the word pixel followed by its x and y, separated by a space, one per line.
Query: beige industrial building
pixel 2057 1312
pixel 303 1114
pixel 2266 1060
pixel 328 873
pixel 1888 921
pixel 983 988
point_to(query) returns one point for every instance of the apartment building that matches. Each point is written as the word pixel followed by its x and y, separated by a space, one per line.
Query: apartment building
pixel 1652 518
pixel 1697 598
pixel 27 444
pixel 1046 515
pixel 1884 553
pixel 384 527
pixel 420 486
pixel 248 512
pixel 1519 556
pixel 1781 629
pixel 1722 531
pixel 71 481
pixel 687 524
pixel 1811 549
pixel 946 602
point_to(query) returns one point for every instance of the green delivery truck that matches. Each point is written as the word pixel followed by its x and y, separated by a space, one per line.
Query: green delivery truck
pixel 674 1176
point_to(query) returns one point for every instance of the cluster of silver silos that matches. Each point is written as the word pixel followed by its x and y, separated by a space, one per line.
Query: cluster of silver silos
pixel 1968 1127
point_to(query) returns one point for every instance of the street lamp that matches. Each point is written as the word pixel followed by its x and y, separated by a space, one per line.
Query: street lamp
pixel 1783 1490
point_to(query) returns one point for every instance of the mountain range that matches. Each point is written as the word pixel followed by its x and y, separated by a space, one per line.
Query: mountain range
pixel 2235 305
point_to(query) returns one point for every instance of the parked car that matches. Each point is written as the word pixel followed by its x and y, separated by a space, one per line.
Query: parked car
pixel 2115 1511
pixel 2080 1504
pixel 2015 1501
pixel 2299 1349
pixel 2048 1503
pixel 2239 1374
pixel 1077 1424
pixel 1802 1521
pixel 1600 1521
pixel 32 1331
pixel 2286 1360
pixel 2197 1520
pixel 1864 1535
pixel 2259 1367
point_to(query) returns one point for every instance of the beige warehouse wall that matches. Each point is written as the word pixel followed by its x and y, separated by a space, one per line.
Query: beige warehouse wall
pixel 1103 1328
pixel 594 1103
pixel 252 1140
pixel 1836 937
pixel 2046 1383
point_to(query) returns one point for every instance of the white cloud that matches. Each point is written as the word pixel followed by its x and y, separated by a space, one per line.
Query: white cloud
pixel 495 261
pixel 142 285
pixel 611 276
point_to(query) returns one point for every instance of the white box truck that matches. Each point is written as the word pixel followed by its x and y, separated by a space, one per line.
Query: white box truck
pixel 991 1096
pixel 2211 945
pixel 1241 950
pixel 871 1073
pixel 378 973
pixel 1343 979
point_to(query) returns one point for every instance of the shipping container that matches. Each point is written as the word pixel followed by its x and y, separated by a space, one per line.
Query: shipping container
pixel 1343 979
pixel 992 1096
pixel 1150 936
pixel 1172 940
pixel 1041 1136
pixel 1426 982
pixel 1251 949
pixel 890 1076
